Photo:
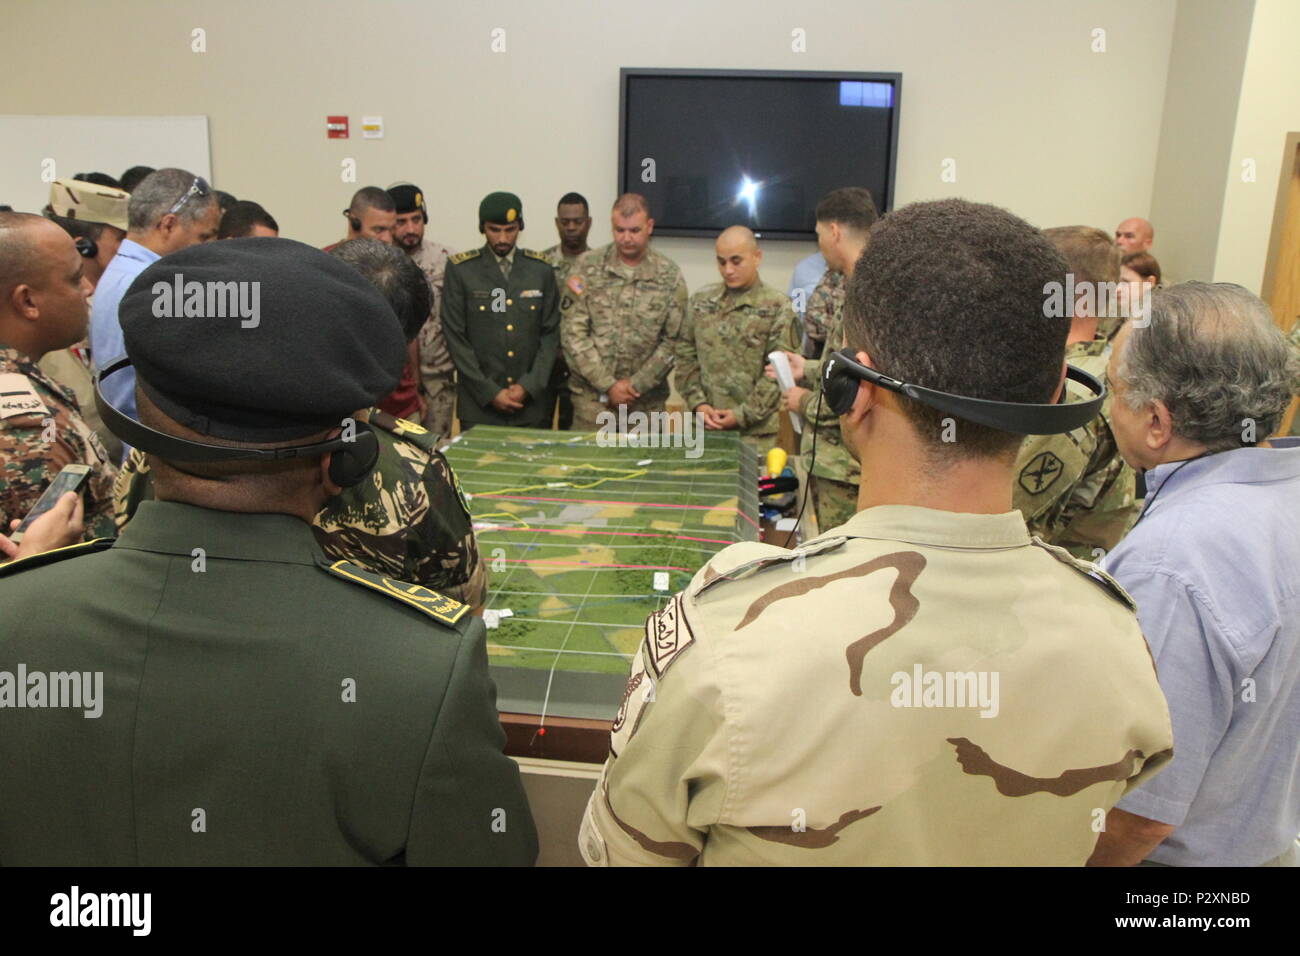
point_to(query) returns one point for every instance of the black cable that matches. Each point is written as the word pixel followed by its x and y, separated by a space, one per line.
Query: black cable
pixel 1150 501
pixel 807 478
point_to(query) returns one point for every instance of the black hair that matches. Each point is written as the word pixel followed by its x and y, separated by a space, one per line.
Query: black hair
pixel 99 179
pixel 851 206
pixel 569 199
pixel 131 178
pixel 240 219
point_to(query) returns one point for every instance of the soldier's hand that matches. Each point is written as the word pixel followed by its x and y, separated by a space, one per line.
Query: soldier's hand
pixel 59 527
pixel 796 365
pixel 518 393
pixel 504 402
pixel 793 398
pixel 724 418
pixel 622 392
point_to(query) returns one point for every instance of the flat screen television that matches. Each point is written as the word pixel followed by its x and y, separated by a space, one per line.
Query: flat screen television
pixel 715 148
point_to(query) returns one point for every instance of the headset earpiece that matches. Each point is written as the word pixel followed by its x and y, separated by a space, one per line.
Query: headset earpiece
pixel 88 248
pixel 350 463
pixel 353 221
pixel 839 383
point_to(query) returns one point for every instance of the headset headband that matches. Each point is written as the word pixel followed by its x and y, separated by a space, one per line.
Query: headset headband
pixel 171 448
pixel 1014 417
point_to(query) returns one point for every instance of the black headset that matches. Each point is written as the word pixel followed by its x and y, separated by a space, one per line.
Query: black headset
pixel 88 248
pixel 841 374
pixel 353 458
pixel 353 221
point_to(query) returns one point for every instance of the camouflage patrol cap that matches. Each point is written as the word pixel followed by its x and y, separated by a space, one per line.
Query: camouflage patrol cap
pixel 89 202
pixel 259 339
pixel 501 209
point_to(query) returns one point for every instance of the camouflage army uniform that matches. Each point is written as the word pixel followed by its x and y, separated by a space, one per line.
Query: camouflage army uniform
pixel 1075 490
pixel 835 472
pixel 563 266
pixel 716 757
pixel 33 407
pixel 437 373
pixel 723 347
pixel 407 520
pixel 620 322
pixel 70 368
pixel 826 298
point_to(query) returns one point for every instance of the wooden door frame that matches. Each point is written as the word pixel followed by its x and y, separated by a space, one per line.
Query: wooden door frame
pixel 1289 171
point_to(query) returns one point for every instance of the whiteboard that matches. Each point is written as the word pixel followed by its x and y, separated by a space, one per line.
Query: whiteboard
pixel 35 150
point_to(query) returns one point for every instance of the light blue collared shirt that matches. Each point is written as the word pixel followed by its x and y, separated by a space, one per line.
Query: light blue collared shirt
pixel 106 344
pixel 1214 565
pixel 807 273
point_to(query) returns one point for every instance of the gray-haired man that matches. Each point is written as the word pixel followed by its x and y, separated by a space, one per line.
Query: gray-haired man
pixel 1213 563
pixel 170 210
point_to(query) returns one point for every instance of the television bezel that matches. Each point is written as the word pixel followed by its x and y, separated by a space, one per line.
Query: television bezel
pixel 625 74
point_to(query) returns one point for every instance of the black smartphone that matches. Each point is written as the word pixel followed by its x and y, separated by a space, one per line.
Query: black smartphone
pixel 71 478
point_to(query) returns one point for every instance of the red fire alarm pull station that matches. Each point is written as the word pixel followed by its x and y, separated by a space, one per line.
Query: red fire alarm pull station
pixel 336 127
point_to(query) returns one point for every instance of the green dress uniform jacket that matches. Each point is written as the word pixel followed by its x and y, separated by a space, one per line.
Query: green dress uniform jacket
pixel 501 332
pixel 260 705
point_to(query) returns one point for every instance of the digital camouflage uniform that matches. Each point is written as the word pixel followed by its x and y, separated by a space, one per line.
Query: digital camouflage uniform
pixel 1075 490
pixel 818 313
pixel 407 520
pixel 620 322
pixel 724 343
pixel 437 373
pixel 835 472
pixel 41 431
pixel 717 757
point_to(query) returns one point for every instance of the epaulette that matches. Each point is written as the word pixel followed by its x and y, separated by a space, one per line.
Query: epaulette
pixel 743 560
pixel 465 256
pixel 535 255
pixel 417 435
pixel 58 554
pixel 1090 571
pixel 441 608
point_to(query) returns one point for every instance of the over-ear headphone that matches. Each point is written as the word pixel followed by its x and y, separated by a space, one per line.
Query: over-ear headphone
pixel 352 458
pixel 841 374
pixel 353 221
pixel 88 248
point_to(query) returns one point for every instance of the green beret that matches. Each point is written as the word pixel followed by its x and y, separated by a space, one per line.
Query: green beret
pixel 500 209
pixel 259 340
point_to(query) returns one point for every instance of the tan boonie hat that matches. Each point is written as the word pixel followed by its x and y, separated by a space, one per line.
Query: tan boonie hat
pixel 74 199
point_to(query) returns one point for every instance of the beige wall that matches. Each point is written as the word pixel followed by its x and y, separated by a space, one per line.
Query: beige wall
pixel 1269 109
pixel 1008 88
pixel 1200 111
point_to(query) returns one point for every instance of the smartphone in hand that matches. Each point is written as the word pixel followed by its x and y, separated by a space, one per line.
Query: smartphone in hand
pixel 71 478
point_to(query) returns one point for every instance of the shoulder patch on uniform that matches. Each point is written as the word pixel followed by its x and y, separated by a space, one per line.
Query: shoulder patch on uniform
pixel 1041 472
pixel 58 554
pixel 417 435
pixel 441 608
pixel 533 254
pixel 1090 571
pixel 465 256
pixel 18 397
pixel 720 568
pixel 667 634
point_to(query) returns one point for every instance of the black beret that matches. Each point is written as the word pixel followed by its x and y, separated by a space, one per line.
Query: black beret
pixel 407 197
pixel 259 339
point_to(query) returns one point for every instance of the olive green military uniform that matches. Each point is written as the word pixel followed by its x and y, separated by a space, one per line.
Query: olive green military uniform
pixel 723 347
pixel 437 371
pixel 915 687
pixel 620 322
pixel 501 332
pixel 408 521
pixel 41 431
pixel 835 473
pixel 260 705
pixel 1075 490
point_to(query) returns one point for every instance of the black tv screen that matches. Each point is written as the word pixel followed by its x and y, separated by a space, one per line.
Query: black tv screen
pixel 715 148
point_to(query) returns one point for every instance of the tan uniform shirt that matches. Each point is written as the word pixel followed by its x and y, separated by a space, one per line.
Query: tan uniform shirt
pixel 920 688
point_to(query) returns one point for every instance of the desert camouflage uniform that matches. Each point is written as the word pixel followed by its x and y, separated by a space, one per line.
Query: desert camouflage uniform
pixel 620 322
pixel 826 298
pixel 717 757
pixel 723 347
pixel 407 520
pixel 32 407
pixel 437 372
pixel 835 472
pixel 1075 490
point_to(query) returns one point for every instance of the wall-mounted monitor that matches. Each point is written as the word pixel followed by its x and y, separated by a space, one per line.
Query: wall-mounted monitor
pixel 715 148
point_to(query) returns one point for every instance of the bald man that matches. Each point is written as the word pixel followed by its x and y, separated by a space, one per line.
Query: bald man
pixel 1134 235
pixel 729 329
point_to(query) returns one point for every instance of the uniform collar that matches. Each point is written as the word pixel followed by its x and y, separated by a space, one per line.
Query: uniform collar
pixel 938 529
pixel 645 269
pixel 12 360
pixel 510 257
pixel 749 297
pixel 169 527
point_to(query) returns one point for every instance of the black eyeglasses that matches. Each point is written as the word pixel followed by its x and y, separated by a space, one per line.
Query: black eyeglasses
pixel 199 187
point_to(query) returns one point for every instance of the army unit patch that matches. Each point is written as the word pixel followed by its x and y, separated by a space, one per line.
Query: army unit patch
pixel 1041 472
pixel 667 634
